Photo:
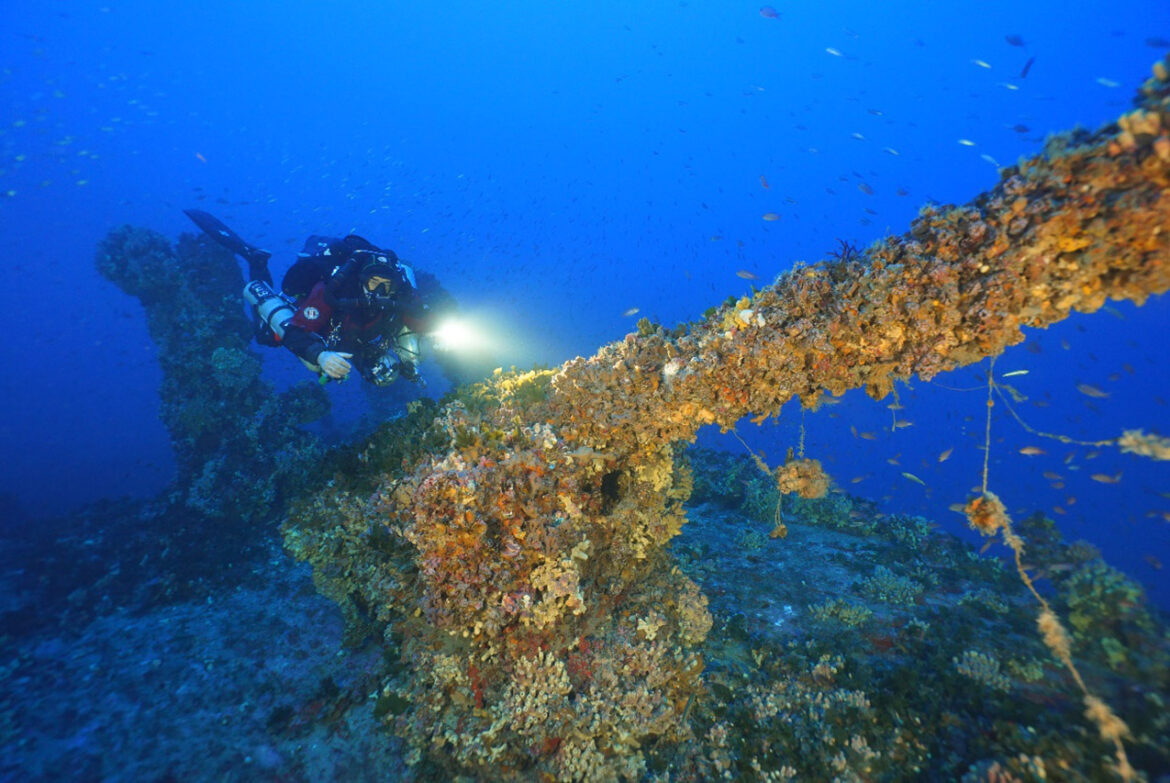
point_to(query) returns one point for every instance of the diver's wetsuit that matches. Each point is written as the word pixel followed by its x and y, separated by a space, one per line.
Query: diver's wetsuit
pixel 323 323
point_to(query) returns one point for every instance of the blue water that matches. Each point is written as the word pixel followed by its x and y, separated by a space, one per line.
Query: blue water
pixel 557 165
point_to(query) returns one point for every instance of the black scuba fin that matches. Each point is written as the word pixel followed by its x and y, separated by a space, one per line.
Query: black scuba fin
pixel 212 226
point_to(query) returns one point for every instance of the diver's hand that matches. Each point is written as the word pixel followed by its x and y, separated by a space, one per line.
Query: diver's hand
pixel 334 364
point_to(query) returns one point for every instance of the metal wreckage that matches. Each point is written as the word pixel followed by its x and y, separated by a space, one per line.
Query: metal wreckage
pixel 510 548
pixel 517 562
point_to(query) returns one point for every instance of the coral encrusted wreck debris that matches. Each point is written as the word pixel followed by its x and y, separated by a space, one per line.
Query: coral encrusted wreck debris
pixel 520 568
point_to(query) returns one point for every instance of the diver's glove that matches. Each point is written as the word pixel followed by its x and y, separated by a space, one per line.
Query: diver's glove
pixel 334 363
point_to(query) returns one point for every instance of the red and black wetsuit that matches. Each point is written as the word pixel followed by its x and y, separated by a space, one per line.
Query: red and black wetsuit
pixel 333 317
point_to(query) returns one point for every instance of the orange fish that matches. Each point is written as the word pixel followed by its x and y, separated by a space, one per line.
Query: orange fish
pixel 1059 510
pixel 946 455
pixel 867 436
pixel 1091 391
pixel 746 275
pixel 764 182
pixel 1032 451
pixel 771 217
pixel 1105 478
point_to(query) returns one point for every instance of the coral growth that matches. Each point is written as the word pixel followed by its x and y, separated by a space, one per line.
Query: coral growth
pixel 237 442
pixel 804 477
pixel 521 562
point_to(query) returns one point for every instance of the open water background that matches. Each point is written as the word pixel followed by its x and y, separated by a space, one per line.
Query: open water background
pixel 557 165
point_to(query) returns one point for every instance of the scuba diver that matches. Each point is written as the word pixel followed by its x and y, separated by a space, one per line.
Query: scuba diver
pixel 345 304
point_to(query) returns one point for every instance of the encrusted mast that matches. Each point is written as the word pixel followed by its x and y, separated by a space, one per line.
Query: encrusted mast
pixel 521 565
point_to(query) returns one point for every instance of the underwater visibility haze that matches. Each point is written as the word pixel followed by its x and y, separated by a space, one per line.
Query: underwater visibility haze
pixel 808 422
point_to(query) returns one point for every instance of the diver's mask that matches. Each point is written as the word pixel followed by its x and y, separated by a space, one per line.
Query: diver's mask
pixel 379 277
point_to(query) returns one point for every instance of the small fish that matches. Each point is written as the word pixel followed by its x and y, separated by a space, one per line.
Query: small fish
pixel 901 192
pixel 1105 478
pixel 764 182
pixel 1052 475
pixel 988 159
pixel 1057 485
pixel 901 424
pixel 1158 43
pixel 857 136
pixel 771 217
pixel 629 312
pixel 1021 128
pixel 1027 67
pixel 1008 86
pixel 768 12
pixel 834 52
pixel 199 155
pixel 746 275
pixel 1154 562
pixel 1059 510
pixel 1071 500
pixel 859 479
pixel 958 508
pixel 1101 80
pixel 967 142
pixel 1091 391
pixel 913 478
pixel 865 188
pixel 1032 451
pixel 895 406
pixel 891 151
pixel 946 455
pixel 1014 40
pixel 867 436
pixel 1014 373
pixel 981 63
pixel 1127 367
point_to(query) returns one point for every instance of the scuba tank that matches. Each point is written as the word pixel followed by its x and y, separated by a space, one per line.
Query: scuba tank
pixel 272 310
